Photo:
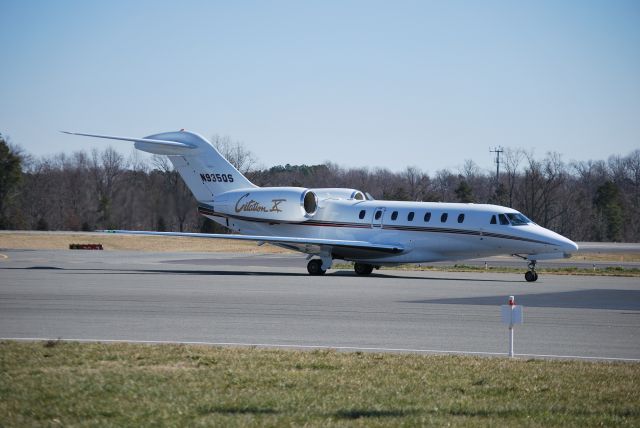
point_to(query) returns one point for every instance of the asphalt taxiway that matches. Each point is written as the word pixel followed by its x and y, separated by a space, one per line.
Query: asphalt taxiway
pixel 270 300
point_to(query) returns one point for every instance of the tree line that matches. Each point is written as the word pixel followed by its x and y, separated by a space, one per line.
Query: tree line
pixel 586 201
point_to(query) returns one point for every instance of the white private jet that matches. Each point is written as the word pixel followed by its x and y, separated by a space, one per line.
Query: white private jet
pixel 335 223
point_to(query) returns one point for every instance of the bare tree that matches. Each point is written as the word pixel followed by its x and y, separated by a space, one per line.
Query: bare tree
pixel 542 180
pixel 105 168
pixel 633 168
pixel 445 183
pixel 77 210
pixel 512 159
pixel 235 152
pixel 175 191
pixel 416 181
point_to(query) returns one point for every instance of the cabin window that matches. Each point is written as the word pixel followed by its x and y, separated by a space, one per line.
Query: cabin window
pixel 460 218
pixel 410 216
pixel 362 214
pixel 493 219
pixel 427 217
pixel 394 215
pixel 443 217
pixel 378 214
pixel 503 219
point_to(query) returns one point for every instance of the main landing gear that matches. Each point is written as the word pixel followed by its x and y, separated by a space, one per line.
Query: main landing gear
pixel 314 267
pixel 531 275
pixel 363 268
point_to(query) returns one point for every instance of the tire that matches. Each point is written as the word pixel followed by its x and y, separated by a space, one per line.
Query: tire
pixel 314 267
pixel 363 268
pixel 530 276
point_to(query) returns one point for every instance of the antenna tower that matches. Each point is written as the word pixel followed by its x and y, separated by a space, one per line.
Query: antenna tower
pixel 498 150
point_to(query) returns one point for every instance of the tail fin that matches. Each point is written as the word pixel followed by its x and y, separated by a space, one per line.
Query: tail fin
pixel 205 171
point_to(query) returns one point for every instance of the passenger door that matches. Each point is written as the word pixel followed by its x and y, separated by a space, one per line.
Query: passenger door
pixel 378 216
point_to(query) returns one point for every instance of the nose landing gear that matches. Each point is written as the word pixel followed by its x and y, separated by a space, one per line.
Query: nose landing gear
pixel 531 275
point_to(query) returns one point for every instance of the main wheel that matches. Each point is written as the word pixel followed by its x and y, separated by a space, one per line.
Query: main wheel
pixel 530 276
pixel 314 267
pixel 363 268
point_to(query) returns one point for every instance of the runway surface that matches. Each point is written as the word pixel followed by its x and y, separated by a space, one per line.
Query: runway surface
pixel 270 300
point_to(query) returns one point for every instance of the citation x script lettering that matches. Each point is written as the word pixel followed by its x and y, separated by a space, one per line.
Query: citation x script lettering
pixel 345 224
pixel 244 205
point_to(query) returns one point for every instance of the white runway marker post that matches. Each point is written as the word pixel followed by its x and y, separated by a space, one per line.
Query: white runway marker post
pixel 511 315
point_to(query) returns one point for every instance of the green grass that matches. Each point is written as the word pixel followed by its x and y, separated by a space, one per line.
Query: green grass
pixel 71 384
pixel 608 271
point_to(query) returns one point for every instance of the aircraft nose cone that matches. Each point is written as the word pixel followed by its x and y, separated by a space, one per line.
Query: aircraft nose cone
pixel 568 246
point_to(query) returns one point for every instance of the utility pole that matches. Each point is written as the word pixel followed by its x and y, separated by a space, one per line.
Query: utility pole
pixel 497 151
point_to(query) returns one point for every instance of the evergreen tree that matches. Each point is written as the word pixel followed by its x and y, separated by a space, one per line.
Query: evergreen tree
pixel 10 176
pixel 464 193
pixel 607 202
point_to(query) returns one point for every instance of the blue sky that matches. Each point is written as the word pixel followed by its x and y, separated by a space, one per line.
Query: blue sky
pixel 366 83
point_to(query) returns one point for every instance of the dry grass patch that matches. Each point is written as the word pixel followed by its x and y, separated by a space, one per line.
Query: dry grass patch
pixel 607 257
pixel 61 241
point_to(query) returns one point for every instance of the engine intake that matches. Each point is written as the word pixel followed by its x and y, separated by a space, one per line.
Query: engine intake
pixel 339 193
pixel 310 202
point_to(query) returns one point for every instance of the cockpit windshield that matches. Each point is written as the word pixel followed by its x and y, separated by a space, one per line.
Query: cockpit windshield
pixel 518 219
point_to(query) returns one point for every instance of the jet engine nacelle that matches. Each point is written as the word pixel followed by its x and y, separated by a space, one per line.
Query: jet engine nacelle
pixel 338 193
pixel 269 203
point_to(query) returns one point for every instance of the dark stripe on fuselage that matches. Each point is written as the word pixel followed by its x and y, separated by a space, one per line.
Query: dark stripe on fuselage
pixel 208 211
pixel 463 232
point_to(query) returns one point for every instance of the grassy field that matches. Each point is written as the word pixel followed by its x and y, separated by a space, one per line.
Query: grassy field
pixel 71 384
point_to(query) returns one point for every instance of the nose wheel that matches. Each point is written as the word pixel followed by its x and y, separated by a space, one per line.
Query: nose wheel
pixel 531 275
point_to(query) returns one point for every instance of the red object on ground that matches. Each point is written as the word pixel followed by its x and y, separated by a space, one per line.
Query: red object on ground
pixel 85 246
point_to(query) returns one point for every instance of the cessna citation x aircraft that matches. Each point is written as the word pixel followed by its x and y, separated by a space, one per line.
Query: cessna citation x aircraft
pixel 345 224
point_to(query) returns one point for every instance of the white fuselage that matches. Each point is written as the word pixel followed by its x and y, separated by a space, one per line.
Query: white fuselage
pixel 428 231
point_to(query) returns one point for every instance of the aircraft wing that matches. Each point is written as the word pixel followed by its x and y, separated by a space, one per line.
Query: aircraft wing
pixel 306 245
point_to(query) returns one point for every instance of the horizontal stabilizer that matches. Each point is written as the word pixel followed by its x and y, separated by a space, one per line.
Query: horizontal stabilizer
pixel 157 143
